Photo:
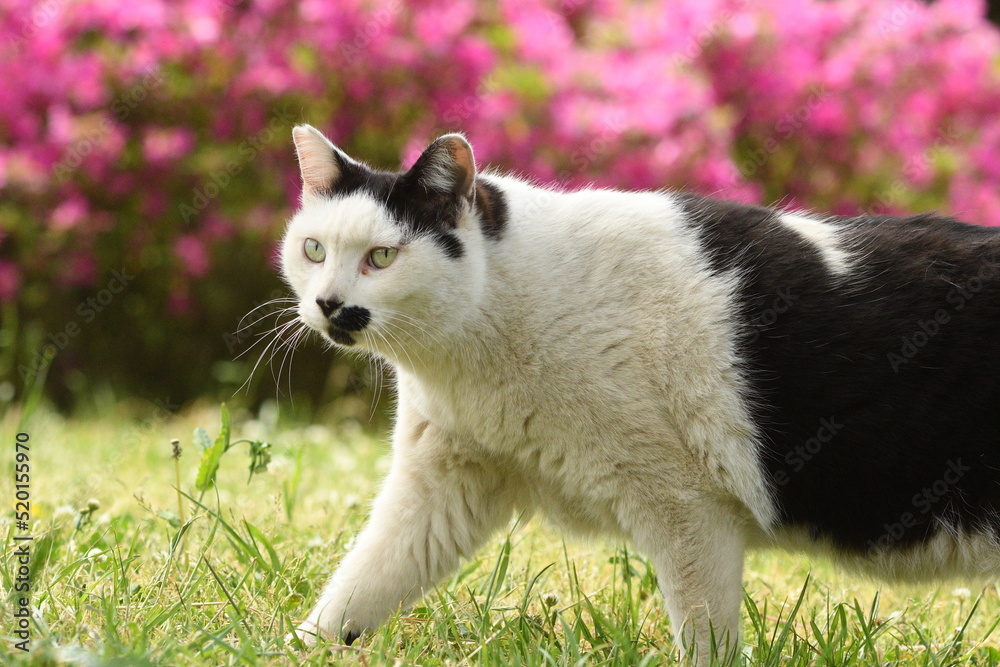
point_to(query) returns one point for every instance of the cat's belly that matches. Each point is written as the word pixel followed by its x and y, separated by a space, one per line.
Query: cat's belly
pixel 948 553
pixel 571 491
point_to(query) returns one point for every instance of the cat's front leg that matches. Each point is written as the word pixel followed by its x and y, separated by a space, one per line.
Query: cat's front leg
pixel 433 508
pixel 697 547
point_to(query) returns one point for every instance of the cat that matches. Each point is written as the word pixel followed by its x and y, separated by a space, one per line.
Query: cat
pixel 696 377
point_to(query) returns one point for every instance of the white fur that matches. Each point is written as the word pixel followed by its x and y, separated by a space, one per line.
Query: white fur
pixel 948 554
pixel 822 235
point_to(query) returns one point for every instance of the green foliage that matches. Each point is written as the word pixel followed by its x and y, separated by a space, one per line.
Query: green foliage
pixel 260 453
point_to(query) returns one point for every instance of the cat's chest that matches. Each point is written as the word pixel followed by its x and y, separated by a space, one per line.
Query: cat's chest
pixel 557 446
pixel 544 394
pixel 489 414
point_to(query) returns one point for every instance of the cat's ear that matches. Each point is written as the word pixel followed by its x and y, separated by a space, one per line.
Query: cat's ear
pixel 447 167
pixel 321 163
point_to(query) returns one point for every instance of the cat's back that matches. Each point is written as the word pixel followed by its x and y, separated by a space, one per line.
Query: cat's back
pixel 872 345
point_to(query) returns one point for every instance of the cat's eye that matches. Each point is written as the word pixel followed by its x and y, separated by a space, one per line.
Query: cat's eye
pixel 314 251
pixel 382 257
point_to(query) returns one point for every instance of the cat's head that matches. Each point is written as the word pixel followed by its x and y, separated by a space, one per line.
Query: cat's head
pixel 383 261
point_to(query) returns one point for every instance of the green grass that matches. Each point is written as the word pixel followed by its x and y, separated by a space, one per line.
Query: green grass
pixel 117 584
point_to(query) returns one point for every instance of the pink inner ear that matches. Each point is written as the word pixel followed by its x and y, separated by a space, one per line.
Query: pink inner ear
pixel 462 156
pixel 317 161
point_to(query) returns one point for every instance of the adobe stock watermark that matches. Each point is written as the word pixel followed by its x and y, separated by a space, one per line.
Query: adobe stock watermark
pixel 88 311
pixel 784 128
pixel 581 160
pixel 765 319
pixel 958 298
pixel 894 18
pixel 585 156
pixel 699 41
pixel 462 110
pixel 923 503
pixel 797 458
pixel 41 15
pixel 247 152
pixel 355 46
pixel 121 107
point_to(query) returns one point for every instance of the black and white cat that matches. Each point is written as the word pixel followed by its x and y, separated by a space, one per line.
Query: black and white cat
pixel 697 377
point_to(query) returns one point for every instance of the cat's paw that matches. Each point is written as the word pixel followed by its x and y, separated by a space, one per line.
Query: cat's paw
pixel 309 633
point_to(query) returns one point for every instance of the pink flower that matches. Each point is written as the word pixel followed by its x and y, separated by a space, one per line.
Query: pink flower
pixel 841 101
pixel 69 214
pixel 163 145
pixel 192 254
pixel 437 22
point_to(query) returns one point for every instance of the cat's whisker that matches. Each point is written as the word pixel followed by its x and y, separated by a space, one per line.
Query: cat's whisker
pixel 401 346
pixel 396 317
pixel 275 313
pixel 301 334
pixel 288 345
pixel 275 340
pixel 289 356
pixel 285 345
pixel 378 374
pixel 246 383
pixel 371 359
pixel 282 342
pixel 409 318
pixel 264 334
pixel 253 310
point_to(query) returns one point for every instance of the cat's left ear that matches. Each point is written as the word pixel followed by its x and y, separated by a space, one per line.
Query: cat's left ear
pixel 447 167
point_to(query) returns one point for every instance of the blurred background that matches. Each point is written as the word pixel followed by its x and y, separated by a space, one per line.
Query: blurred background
pixel 147 171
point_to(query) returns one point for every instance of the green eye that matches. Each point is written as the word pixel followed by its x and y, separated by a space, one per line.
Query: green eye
pixel 314 251
pixel 382 257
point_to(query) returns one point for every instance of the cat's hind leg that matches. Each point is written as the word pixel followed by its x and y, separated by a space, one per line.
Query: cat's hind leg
pixel 697 547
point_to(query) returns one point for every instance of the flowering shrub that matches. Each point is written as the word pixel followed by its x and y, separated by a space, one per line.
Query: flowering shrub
pixel 152 139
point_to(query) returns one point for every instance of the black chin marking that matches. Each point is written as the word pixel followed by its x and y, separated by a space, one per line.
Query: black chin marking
pixel 352 318
pixel 340 336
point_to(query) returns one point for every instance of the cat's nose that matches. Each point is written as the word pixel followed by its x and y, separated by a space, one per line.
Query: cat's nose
pixel 328 306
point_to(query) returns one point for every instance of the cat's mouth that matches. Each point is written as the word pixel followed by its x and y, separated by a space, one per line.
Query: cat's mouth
pixel 347 321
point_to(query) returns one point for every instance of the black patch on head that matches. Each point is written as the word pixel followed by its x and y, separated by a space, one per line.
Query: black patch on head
pixel 492 207
pixel 352 318
pixel 875 392
pixel 420 210
pixel 451 245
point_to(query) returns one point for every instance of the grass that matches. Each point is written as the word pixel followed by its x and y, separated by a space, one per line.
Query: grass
pixel 124 575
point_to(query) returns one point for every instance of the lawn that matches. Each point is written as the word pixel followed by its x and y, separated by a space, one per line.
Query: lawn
pixel 113 584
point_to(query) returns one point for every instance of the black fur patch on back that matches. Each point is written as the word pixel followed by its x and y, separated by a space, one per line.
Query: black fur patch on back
pixel 420 210
pixel 875 392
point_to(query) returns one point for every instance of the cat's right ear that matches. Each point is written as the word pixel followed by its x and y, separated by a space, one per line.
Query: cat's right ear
pixel 320 162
